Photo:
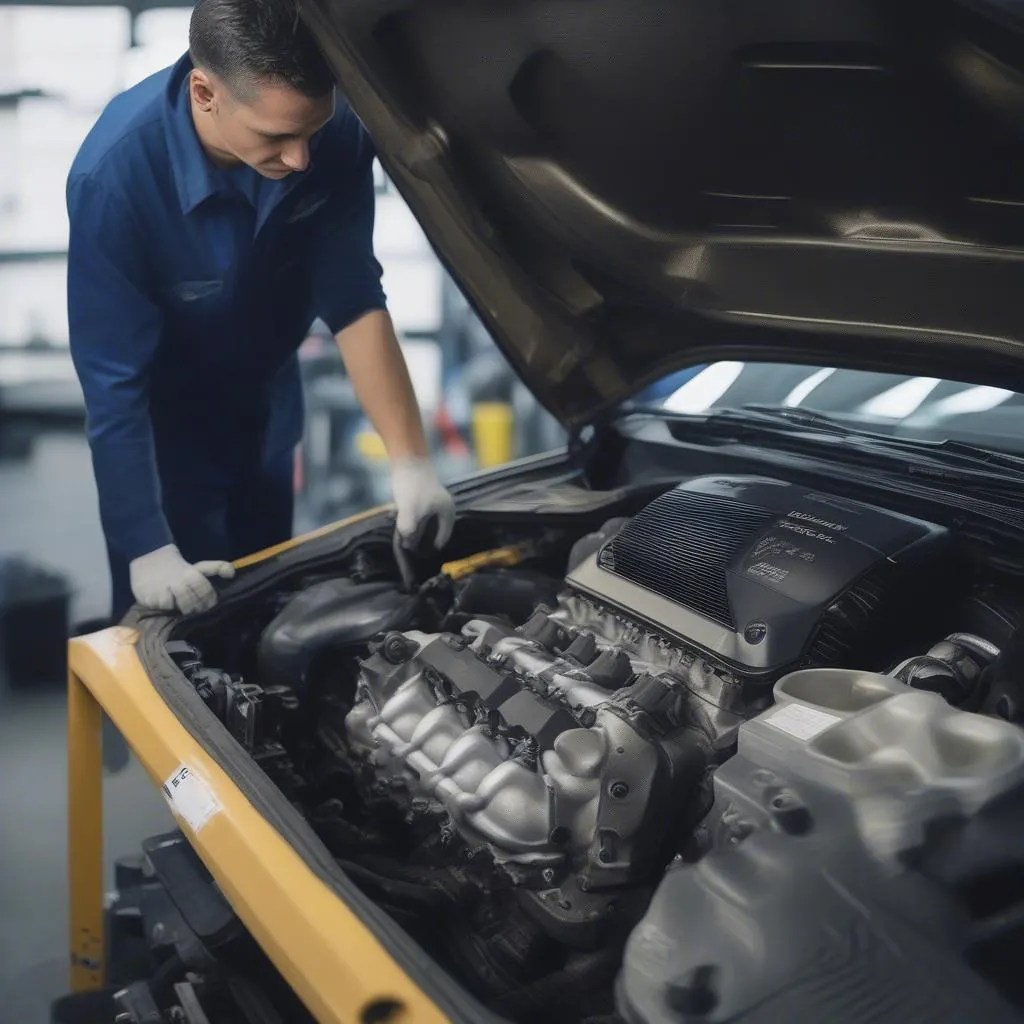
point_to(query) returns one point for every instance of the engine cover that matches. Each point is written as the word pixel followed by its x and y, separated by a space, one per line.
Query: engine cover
pixel 538 744
pixel 760 573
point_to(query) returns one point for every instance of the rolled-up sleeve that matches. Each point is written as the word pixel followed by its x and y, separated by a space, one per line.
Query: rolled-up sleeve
pixel 346 275
pixel 115 329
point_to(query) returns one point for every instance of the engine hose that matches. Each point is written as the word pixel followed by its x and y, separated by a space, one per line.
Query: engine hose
pixel 977 645
pixel 571 985
pixel 394 888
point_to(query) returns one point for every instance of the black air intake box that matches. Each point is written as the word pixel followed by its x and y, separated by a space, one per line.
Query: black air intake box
pixel 760 573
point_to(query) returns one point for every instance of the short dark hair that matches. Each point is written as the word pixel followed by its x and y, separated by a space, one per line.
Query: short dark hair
pixel 248 43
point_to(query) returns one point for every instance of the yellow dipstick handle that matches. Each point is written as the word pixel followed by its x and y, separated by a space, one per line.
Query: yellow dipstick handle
pixel 503 558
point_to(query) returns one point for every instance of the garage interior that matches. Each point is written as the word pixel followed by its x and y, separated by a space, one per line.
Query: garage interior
pixel 59 64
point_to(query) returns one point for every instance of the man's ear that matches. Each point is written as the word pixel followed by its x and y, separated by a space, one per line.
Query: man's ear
pixel 202 90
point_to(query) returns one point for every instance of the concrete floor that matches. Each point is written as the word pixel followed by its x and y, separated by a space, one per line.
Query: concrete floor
pixel 48 512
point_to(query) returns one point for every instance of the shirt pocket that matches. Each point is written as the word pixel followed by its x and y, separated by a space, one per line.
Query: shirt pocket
pixel 209 290
pixel 306 207
pixel 195 305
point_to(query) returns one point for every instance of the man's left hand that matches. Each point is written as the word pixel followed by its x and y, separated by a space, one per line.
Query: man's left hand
pixel 421 501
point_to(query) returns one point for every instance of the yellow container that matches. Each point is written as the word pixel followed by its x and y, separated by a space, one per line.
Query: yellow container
pixel 492 433
pixel 370 446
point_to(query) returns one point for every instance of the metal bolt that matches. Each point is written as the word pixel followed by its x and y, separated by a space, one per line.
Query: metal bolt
pixel 548 875
pixel 397 648
pixel 619 790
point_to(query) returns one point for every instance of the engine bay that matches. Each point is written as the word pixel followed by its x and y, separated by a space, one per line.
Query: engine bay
pixel 730 750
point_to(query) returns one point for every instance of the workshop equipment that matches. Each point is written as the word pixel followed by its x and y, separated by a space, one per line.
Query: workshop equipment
pixel 34 604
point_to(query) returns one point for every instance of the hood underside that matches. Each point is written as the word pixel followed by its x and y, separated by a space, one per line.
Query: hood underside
pixel 623 188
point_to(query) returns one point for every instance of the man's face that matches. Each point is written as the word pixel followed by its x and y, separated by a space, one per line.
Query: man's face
pixel 268 127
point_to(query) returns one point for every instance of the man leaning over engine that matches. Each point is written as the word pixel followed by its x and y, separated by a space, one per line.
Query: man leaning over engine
pixel 216 209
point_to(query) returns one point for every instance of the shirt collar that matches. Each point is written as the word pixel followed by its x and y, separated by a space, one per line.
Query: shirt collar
pixel 193 172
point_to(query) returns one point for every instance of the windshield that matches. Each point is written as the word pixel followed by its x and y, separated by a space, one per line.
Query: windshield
pixel 915 408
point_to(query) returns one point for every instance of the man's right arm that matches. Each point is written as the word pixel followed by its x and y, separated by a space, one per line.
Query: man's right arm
pixel 115 327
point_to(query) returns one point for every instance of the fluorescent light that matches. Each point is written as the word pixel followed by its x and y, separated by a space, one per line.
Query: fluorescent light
pixel 977 399
pixel 902 400
pixel 702 391
pixel 805 387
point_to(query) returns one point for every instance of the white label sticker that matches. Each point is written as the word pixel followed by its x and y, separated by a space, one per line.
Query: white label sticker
pixel 801 721
pixel 191 799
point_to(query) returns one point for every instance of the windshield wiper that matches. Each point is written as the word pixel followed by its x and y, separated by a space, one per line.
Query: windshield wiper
pixel 947 460
pixel 947 452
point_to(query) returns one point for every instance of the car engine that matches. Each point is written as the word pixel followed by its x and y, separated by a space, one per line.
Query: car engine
pixel 552 754
pixel 553 778
pixel 557 745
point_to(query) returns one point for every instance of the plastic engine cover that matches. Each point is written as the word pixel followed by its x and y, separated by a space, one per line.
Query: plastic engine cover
pixel 748 568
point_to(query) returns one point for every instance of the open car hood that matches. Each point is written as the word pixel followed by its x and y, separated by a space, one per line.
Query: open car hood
pixel 622 188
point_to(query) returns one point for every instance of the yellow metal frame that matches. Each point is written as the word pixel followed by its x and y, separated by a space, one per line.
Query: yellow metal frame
pixel 336 966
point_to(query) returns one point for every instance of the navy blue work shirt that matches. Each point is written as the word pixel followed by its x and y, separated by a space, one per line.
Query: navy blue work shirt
pixel 190 289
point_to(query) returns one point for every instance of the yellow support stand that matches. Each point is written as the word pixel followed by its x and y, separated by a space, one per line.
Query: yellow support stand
pixel 335 965
pixel 325 952
pixel 85 837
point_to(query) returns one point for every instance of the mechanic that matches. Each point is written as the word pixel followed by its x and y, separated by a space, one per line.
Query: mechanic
pixel 216 210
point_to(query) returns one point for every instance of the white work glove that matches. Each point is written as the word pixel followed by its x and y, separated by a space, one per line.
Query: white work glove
pixel 164 581
pixel 419 497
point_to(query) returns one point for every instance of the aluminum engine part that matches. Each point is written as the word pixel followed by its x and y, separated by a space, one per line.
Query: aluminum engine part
pixel 845 833
pixel 538 745
pixel 724 700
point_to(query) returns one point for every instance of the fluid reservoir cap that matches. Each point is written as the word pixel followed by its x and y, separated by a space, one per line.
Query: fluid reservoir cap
pixel 582 752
